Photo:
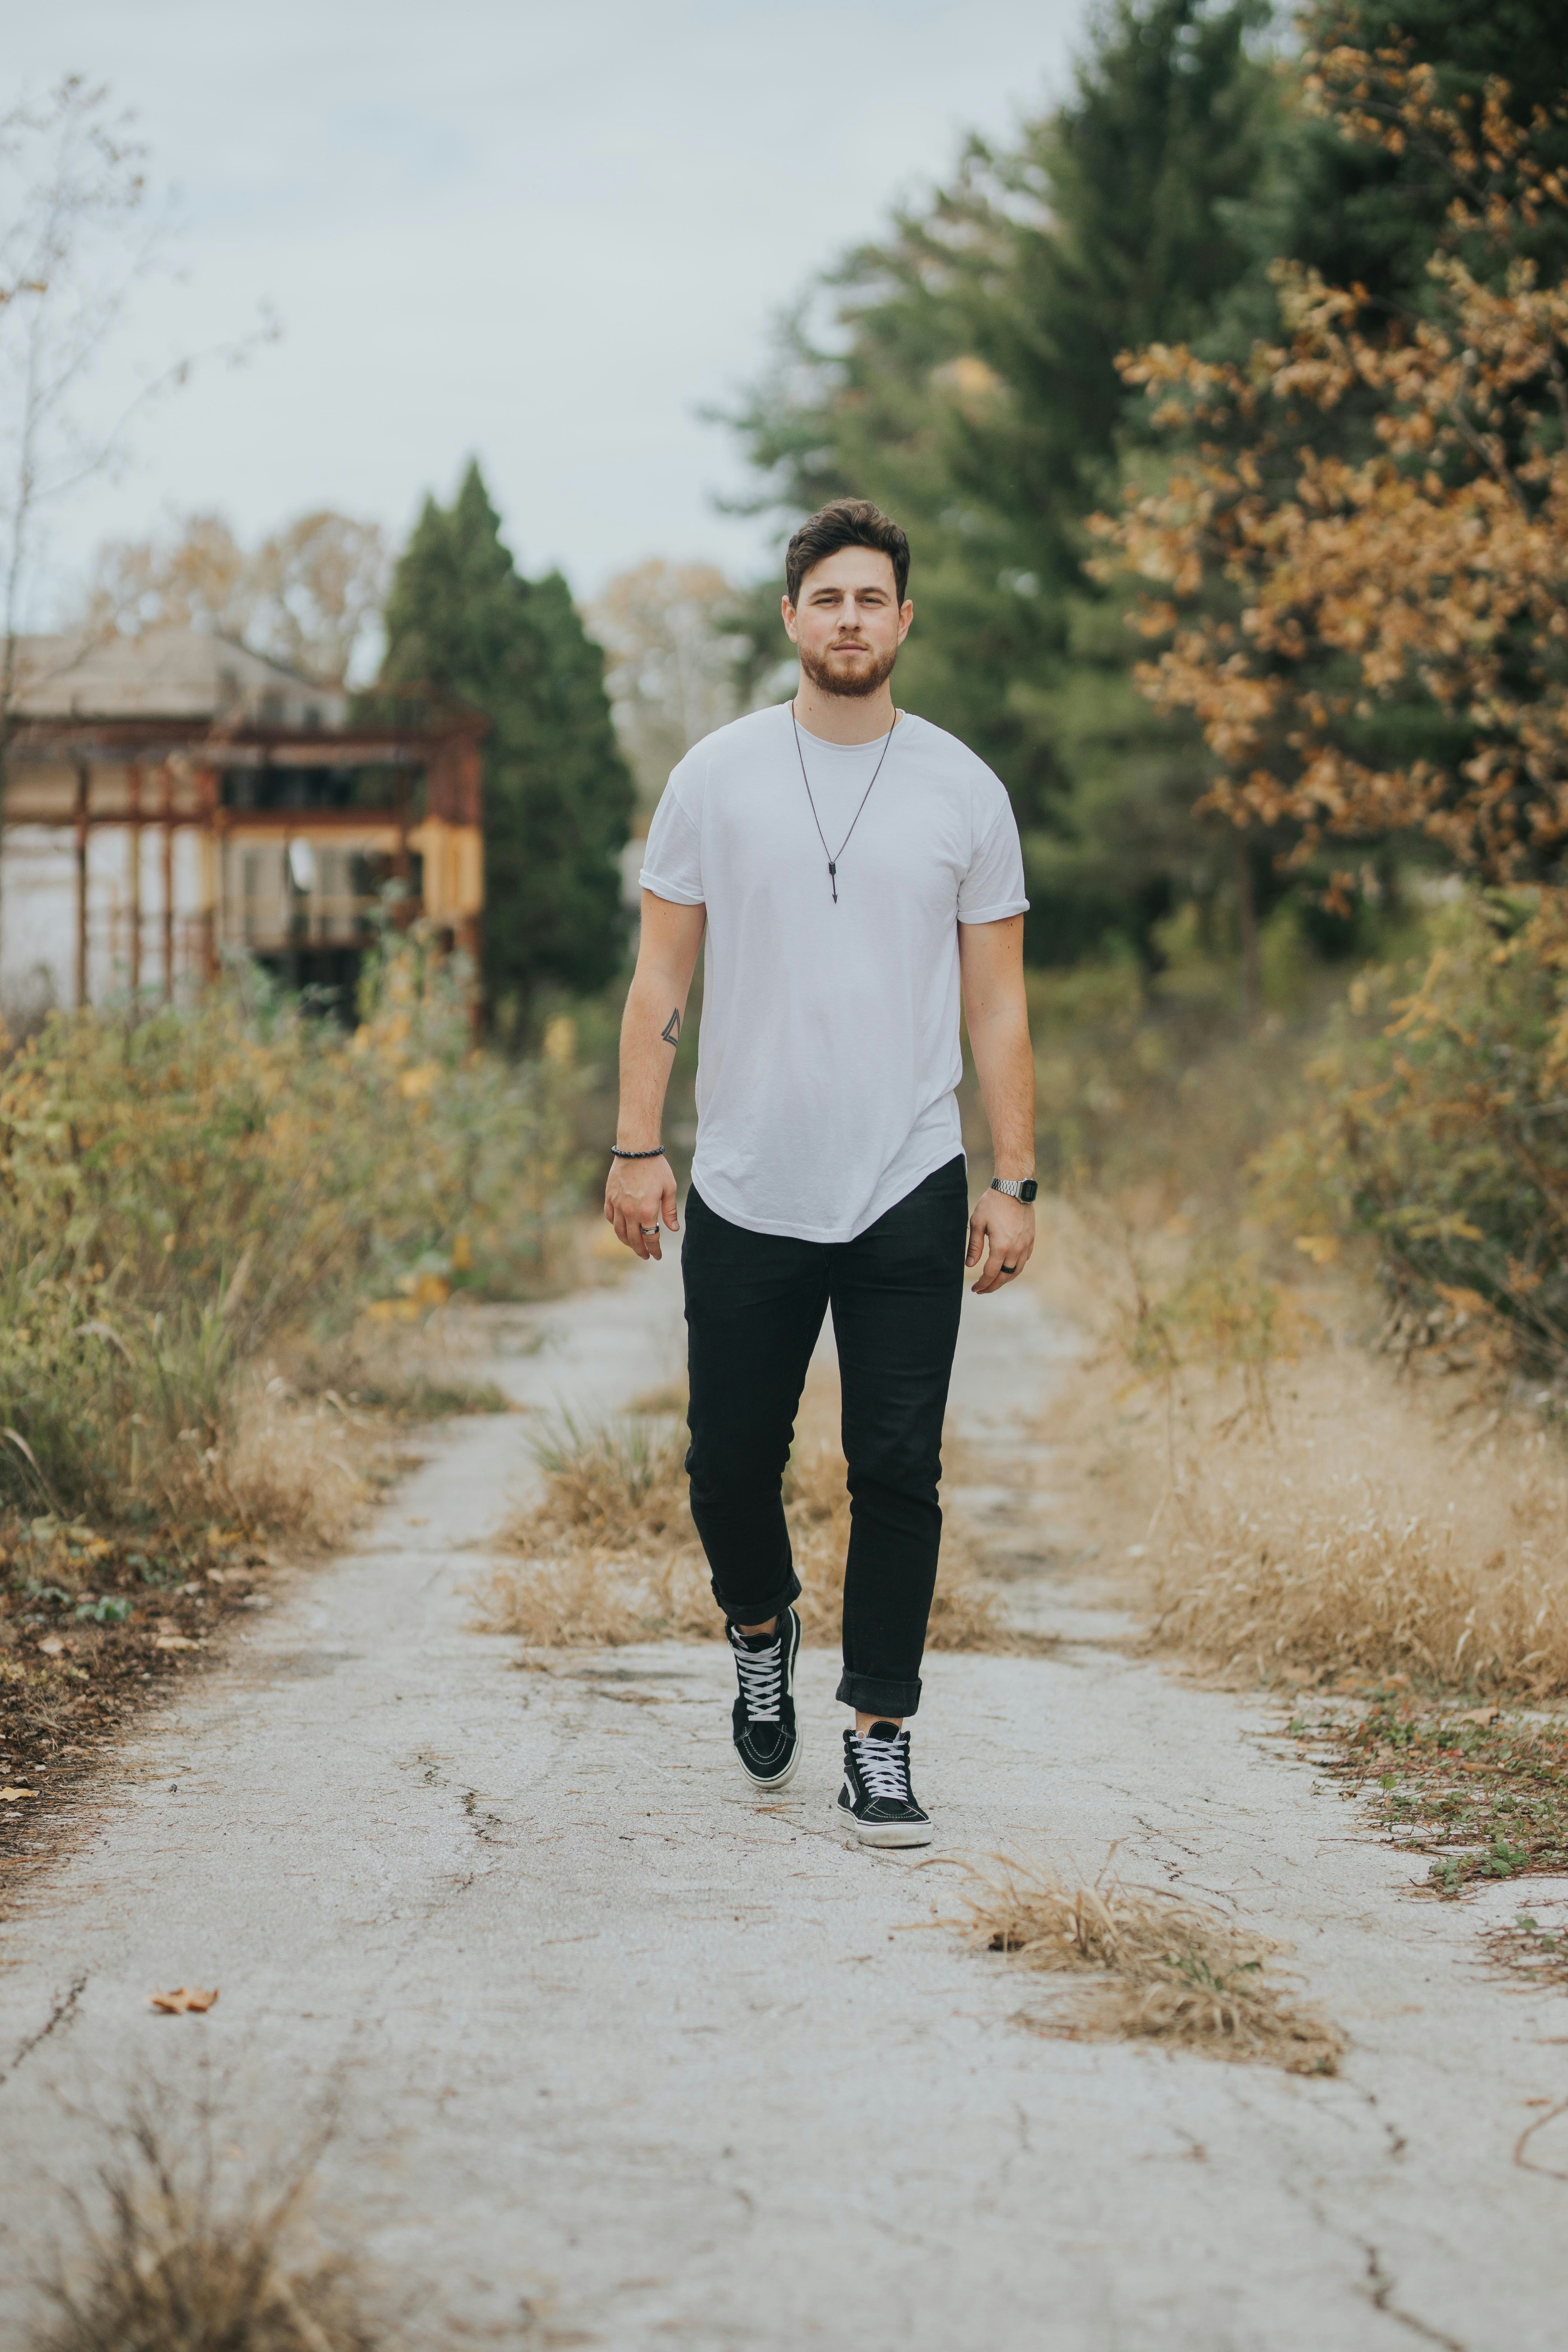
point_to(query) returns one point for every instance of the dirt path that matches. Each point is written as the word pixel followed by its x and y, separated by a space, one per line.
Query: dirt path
pixel 615 2042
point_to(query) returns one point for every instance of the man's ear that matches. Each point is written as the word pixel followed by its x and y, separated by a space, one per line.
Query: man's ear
pixel 787 610
pixel 906 614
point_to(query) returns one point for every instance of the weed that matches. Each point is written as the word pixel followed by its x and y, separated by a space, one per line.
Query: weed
pixel 1162 1968
pixel 1482 1794
pixel 183 2258
pixel 1531 1950
pixel 619 1483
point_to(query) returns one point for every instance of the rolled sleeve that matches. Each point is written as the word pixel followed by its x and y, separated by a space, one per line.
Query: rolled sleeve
pixel 672 861
pixel 680 894
pixel 993 887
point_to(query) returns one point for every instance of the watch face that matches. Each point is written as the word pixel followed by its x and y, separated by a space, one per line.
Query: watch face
pixel 1028 1189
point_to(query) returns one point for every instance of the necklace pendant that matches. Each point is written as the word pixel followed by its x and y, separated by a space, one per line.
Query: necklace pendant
pixel 805 780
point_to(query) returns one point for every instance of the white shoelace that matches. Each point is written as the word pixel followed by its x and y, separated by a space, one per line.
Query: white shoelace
pixel 884 1765
pixel 762 1678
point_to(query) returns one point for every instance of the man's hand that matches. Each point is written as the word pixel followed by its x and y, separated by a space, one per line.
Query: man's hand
pixel 637 1193
pixel 1001 1231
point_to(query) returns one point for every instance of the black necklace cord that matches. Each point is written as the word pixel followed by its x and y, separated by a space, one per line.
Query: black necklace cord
pixel 834 855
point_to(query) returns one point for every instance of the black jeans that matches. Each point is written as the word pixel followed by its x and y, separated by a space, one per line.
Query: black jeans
pixel 755 1305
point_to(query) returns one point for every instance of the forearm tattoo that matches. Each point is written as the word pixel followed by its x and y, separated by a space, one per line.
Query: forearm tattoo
pixel 670 1032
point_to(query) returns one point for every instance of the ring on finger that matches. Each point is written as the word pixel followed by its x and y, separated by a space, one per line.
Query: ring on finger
pixel 647 1230
pixel 1009 1270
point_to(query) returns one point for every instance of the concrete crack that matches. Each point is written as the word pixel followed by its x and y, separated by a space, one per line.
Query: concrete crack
pixel 1379 2291
pixel 61 2013
pixel 484 1825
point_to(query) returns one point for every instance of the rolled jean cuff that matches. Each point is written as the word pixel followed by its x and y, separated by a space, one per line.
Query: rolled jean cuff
pixel 751 1612
pixel 871 1694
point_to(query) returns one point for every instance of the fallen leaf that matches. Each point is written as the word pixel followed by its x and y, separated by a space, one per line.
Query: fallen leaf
pixel 1322 1249
pixel 1482 1715
pixel 52 1646
pixel 175 1641
pixel 183 1998
pixel 14 1796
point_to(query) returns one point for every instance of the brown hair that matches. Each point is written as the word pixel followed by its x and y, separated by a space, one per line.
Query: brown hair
pixel 847 522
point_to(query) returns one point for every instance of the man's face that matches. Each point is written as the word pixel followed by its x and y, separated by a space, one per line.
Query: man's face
pixel 848 624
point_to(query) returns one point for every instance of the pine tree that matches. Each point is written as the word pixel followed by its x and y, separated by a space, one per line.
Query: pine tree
pixel 558 796
pixel 1360 216
pixel 969 384
pixel 973 393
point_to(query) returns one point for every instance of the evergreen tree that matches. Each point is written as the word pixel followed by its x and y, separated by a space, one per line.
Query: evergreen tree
pixel 967 381
pixel 973 393
pixel 1360 216
pixel 558 796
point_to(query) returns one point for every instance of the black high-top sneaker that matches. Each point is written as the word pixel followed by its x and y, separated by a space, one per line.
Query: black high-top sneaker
pixel 876 1800
pixel 766 1739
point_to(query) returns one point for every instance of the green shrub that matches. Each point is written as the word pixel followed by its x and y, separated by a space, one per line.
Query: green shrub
pixel 1440 1129
pixel 177 1186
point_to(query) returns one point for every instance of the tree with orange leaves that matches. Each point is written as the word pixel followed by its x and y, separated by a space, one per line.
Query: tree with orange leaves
pixel 1360 560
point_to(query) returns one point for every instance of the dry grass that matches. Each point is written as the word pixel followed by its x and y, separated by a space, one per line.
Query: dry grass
pixel 613 1485
pixel 311 1435
pixel 302 1472
pixel 1342 1577
pixel 1160 1968
pixel 182 2259
pixel 579 1601
pixel 611 1555
pixel 1285 1501
pixel 414 1371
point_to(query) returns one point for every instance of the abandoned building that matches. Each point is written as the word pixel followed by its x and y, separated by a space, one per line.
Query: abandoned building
pixel 174 802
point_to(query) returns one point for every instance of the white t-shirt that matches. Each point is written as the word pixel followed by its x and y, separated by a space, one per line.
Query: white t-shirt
pixel 828 1050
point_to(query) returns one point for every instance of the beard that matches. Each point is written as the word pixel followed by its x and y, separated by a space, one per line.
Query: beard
pixel 848 670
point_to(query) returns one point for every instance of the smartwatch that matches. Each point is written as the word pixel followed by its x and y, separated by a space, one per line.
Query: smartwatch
pixel 1016 1188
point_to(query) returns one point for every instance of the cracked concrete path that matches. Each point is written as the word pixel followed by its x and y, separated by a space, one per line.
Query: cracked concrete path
pixel 627 2059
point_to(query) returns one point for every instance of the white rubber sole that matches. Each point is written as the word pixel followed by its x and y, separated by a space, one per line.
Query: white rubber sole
pixel 883 1833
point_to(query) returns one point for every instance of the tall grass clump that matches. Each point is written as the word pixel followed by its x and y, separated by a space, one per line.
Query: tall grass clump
pixel 1327 1577
pixel 182 2251
pixel 1147 1966
pixel 179 1187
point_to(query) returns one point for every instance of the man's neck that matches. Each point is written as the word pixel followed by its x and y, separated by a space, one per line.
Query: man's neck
pixel 844 718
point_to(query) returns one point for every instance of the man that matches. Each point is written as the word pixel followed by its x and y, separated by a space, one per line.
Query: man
pixel 851 867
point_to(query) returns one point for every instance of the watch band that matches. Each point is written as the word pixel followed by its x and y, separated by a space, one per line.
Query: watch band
pixel 1017 1188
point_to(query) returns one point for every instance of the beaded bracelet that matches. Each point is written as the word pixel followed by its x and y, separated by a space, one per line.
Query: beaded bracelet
pixel 656 1154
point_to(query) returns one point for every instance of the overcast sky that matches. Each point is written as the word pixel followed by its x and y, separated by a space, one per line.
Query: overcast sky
pixel 546 234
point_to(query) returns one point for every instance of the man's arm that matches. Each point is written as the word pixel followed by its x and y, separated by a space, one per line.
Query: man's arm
pixel 991 962
pixel 639 1192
